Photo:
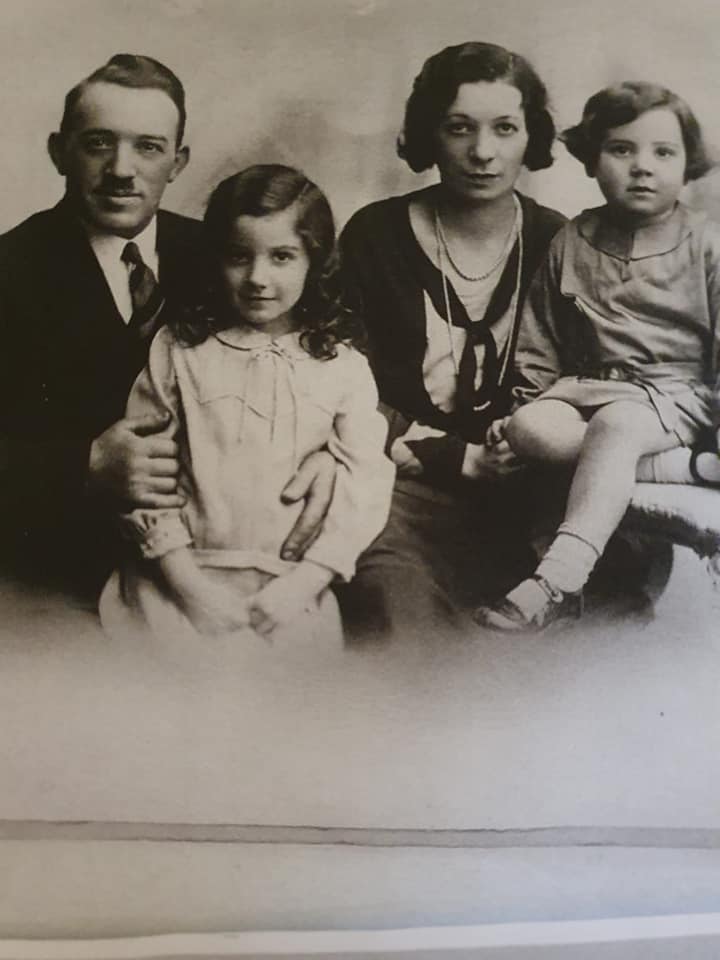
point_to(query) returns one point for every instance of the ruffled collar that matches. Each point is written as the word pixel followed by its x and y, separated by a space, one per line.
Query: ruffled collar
pixel 598 229
pixel 247 338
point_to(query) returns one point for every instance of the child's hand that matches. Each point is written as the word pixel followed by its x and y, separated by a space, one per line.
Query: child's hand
pixel 484 462
pixel 215 609
pixel 496 432
pixel 284 599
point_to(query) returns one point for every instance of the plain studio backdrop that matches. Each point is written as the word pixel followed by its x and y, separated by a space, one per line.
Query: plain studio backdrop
pixel 321 84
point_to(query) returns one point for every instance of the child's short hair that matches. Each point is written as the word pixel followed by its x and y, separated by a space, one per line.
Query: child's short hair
pixel 269 188
pixel 135 71
pixel 623 103
pixel 436 87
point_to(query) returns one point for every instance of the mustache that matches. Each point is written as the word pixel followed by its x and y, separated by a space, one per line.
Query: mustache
pixel 117 187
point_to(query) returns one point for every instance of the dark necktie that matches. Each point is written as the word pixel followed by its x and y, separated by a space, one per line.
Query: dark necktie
pixel 145 293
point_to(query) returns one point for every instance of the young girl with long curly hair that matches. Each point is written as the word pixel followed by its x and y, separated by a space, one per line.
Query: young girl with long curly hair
pixel 255 381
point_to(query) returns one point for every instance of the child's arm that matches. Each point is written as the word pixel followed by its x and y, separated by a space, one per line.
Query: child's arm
pixel 162 534
pixel 155 396
pixel 539 347
pixel 210 607
pixel 365 476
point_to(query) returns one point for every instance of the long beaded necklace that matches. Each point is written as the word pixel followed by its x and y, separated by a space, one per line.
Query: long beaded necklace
pixel 517 227
pixel 509 240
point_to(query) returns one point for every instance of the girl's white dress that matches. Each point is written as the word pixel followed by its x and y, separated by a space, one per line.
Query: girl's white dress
pixel 246 410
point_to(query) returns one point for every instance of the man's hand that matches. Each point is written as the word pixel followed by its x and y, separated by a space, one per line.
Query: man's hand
pixel 314 482
pixel 130 463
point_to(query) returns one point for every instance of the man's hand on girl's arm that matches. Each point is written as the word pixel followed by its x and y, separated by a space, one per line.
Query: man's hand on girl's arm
pixel 132 464
pixel 314 482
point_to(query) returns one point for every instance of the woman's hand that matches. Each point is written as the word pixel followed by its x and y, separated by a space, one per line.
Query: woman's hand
pixel 484 462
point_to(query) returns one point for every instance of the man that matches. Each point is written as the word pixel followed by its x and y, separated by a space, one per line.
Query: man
pixel 83 287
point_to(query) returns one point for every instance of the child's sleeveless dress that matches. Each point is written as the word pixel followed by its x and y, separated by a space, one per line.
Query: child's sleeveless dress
pixel 246 410
pixel 615 314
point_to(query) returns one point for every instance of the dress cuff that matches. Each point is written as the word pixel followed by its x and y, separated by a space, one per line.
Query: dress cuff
pixel 156 532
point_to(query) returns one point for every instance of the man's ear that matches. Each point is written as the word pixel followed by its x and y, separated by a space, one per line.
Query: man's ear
pixel 182 158
pixel 56 151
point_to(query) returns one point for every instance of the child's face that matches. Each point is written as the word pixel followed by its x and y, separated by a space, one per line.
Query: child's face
pixel 641 165
pixel 263 271
pixel 481 141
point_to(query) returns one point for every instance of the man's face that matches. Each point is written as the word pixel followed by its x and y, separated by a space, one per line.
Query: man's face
pixel 118 155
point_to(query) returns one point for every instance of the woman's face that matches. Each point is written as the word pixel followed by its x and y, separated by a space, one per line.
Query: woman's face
pixel 481 141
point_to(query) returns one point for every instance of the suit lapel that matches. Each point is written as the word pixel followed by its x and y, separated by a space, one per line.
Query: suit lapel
pixel 79 279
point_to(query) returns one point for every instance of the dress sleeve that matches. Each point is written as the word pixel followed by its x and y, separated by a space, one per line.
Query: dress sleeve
pixel 364 478
pixel 157 531
pixel 539 348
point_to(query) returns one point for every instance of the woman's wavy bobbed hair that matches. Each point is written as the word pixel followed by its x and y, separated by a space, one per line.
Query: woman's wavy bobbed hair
pixel 623 103
pixel 436 87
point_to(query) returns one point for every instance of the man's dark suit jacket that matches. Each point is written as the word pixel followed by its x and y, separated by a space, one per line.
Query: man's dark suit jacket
pixel 67 362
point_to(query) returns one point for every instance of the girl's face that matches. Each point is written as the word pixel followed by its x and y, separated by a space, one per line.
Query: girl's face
pixel 481 141
pixel 641 165
pixel 263 271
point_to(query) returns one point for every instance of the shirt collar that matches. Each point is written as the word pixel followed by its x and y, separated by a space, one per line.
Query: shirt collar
pixel 247 338
pixel 108 245
pixel 655 239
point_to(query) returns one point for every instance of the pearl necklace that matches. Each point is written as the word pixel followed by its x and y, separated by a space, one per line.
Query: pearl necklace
pixel 512 309
pixel 509 241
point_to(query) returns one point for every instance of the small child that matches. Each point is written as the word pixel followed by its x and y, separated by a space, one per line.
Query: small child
pixel 619 337
pixel 254 383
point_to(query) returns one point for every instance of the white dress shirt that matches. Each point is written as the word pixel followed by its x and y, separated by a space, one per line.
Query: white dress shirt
pixel 108 250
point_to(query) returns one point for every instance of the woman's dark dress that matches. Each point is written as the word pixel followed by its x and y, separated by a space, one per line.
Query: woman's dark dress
pixel 449 542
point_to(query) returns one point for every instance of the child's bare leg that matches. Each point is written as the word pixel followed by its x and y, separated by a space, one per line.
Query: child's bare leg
pixel 553 431
pixel 548 430
pixel 616 437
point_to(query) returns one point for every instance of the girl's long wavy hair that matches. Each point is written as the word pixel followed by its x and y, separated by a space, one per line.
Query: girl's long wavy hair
pixel 260 190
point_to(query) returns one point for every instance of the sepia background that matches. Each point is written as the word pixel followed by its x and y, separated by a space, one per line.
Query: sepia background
pixel 490 782
pixel 322 84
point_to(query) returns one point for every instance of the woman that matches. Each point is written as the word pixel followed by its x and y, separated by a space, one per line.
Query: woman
pixel 439 276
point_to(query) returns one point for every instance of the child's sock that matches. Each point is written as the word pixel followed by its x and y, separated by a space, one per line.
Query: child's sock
pixel 566 566
pixel 569 561
pixel 670 466
pixel 673 466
